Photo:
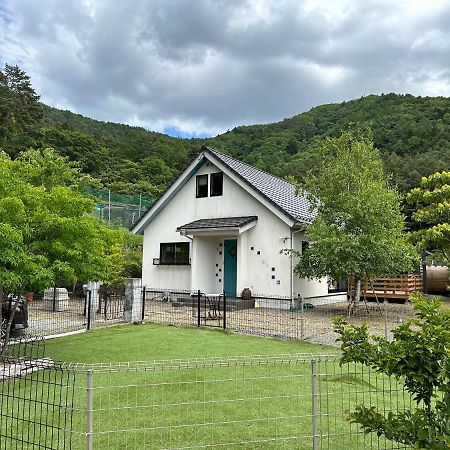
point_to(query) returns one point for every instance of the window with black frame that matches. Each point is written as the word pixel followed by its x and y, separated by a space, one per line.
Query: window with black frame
pixel 216 184
pixel 174 253
pixel 202 186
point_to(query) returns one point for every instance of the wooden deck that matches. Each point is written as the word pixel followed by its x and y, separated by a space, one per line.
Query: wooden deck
pixel 399 287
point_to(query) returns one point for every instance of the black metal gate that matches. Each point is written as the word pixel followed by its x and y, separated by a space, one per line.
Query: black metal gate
pixel 211 310
pixel 112 302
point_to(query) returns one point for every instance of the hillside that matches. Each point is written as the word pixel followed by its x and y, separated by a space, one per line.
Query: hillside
pixel 126 159
pixel 413 134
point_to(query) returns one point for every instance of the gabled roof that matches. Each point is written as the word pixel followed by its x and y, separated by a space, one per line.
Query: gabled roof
pixel 272 191
pixel 279 192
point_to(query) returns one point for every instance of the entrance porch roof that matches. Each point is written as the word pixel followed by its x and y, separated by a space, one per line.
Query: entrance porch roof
pixel 222 225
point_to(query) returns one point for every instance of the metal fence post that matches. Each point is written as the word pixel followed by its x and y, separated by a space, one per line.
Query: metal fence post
pixel 106 296
pixel 89 307
pixel 315 435
pixel 143 304
pixel 90 410
pixel 224 310
pixel 54 299
pixel 385 319
pixel 301 319
pixel 198 308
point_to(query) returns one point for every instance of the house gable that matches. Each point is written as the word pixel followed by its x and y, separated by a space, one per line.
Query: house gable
pixel 257 183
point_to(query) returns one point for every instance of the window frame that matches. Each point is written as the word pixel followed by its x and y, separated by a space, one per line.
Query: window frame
pixel 165 262
pixel 211 183
pixel 198 177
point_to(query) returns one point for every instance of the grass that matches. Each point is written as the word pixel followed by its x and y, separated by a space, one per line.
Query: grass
pixel 160 342
pixel 264 403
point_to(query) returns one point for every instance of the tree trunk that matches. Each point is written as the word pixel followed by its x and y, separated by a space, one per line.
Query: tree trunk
pixel 354 301
pixel 358 291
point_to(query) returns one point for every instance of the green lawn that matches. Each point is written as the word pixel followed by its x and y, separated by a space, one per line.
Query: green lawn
pixel 160 342
pixel 256 403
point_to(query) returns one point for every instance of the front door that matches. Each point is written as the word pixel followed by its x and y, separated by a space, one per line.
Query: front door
pixel 230 267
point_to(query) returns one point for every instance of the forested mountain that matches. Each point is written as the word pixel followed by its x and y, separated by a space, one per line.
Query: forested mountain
pixel 412 133
pixel 126 159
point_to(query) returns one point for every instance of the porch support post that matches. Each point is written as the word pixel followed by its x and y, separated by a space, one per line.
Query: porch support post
pixel 242 264
pixel 195 266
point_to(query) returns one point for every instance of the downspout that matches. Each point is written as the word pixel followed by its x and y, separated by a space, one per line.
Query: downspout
pixel 291 237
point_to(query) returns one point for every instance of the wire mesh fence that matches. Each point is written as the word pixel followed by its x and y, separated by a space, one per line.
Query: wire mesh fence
pixel 27 347
pixel 271 402
pixel 268 402
pixel 308 319
pixel 170 306
pixel 50 315
pixel 56 312
pixel 36 398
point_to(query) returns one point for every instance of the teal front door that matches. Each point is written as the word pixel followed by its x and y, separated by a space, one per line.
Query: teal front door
pixel 230 267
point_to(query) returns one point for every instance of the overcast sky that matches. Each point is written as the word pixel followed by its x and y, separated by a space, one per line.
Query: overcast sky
pixel 200 67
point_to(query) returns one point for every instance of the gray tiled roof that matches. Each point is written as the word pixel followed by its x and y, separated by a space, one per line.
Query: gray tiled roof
pixel 279 192
pixel 223 222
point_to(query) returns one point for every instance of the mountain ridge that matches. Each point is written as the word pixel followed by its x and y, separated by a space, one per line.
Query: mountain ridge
pixel 412 134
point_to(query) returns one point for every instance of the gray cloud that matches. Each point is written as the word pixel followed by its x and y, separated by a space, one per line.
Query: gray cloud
pixel 207 65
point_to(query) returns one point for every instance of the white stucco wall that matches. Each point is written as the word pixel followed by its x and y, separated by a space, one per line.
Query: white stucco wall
pixel 303 287
pixel 260 266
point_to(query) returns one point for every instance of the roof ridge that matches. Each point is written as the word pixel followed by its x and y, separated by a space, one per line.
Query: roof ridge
pixel 213 150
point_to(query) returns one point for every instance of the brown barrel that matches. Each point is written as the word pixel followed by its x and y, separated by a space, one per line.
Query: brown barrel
pixel 438 279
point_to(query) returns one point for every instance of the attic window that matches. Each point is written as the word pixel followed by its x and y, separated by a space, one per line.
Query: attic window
pixel 216 184
pixel 202 186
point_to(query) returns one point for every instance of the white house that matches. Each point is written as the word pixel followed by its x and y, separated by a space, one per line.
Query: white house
pixel 221 226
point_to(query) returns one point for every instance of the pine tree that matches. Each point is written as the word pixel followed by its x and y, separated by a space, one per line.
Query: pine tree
pixel 20 110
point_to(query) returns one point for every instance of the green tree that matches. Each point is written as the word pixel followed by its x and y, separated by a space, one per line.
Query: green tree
pixel 418 357
pixel 432 212
pixel 20 110
pixel 48 235
pixel 358 229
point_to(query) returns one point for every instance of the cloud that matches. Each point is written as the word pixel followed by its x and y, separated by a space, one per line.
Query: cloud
pixel 205 66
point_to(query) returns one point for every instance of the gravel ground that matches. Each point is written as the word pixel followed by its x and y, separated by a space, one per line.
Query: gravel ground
pixel 314 325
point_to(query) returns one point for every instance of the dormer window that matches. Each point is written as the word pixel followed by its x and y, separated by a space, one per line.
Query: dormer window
pixel 216 184
pixel 202 186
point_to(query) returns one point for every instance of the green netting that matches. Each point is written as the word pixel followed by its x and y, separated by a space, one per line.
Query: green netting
pixel 119 209
pixel 125 199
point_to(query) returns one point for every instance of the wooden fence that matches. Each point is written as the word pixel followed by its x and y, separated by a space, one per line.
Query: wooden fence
pixel 401 287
